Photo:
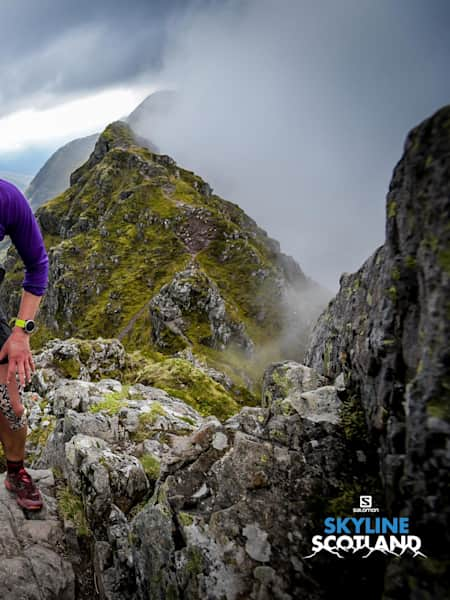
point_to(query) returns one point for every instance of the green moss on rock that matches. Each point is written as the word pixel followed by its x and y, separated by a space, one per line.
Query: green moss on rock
pixel 185 519
pixel 444 260
pixel 179 378
pixel 439 408
pixel 112 403
pixel 70 506
pixel 151 465
pixel 69 367
pixel 352 421
pixel 392 209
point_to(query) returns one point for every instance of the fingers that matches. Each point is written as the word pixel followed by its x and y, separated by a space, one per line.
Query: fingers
pixel 23 366
pixel 10 375
pixel 27 371
pixel 23 370
pixel 16 366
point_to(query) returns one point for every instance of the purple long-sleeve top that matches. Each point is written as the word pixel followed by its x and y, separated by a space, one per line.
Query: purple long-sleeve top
pixel 18 221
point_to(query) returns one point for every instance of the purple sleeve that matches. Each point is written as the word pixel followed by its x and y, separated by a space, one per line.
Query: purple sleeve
pixel 21 225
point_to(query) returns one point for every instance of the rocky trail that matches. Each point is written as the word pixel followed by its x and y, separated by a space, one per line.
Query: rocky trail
pixel 165 503
pixel 34 564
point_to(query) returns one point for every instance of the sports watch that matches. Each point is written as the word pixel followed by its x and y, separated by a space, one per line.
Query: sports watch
pixel 28 325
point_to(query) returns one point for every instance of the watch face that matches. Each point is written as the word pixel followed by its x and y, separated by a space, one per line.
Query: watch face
pixel 29 326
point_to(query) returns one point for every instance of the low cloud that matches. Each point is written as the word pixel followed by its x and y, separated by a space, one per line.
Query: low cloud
pixel 54 52
pixel 297 112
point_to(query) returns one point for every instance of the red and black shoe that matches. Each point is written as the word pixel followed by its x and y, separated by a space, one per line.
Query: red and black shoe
pixel 27 494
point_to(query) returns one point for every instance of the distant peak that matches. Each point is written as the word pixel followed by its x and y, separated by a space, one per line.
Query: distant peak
pixel 116 135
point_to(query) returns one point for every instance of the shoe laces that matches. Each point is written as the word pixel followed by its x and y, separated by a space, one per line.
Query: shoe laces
pixel 24 478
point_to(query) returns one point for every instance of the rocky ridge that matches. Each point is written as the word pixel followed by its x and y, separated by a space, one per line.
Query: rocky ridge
pixel 171 504
pixel 178 491
pixel 143 251
pixel 54 176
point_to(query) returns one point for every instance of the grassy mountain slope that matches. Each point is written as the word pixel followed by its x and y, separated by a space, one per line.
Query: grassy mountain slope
pixel 142 250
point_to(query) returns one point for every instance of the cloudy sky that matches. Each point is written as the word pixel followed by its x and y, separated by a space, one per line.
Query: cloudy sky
pixel 296 110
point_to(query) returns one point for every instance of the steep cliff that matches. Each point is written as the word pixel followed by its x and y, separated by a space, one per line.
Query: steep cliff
pixel 388 331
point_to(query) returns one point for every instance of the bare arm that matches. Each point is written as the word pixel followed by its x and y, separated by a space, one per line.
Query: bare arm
pixel 17 346
pixel 19 222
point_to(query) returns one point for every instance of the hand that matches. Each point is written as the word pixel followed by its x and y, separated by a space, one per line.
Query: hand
pixel 17 348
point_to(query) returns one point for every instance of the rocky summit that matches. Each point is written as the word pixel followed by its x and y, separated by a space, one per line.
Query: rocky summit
pixel 183 449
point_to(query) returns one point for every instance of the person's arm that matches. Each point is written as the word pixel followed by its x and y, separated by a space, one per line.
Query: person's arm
pixel 21 225
pixel 17 346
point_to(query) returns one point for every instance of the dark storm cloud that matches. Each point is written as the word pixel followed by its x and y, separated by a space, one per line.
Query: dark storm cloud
pixel 296 110
pixel 51 48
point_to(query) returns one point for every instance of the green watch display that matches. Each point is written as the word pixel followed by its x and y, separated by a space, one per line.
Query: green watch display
pixel 28 325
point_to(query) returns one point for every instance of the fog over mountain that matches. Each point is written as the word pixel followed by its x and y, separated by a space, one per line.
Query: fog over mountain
pixel 298 112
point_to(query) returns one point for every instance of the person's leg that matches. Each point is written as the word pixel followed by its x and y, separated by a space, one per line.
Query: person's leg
pixel 13 441
pixel 13 430
pixel 13 433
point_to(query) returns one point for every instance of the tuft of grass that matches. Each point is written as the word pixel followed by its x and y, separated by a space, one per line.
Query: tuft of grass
pixel 151 466
pixel 112 403
pixel 146 422
pixel 70 506
pixel 179 378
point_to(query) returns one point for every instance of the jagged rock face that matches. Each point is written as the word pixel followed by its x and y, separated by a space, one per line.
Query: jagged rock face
pixel 193 301
pixel 179 506
pixel 388 330
pixel 122 241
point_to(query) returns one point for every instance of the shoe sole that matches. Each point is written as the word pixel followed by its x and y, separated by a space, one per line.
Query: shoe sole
pixel 19 502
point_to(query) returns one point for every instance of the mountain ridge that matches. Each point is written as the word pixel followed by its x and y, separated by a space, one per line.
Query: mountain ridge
pixel 143 249
pixel 53 177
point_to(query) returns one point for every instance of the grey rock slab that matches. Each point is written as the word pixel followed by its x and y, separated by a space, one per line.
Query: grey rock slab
pixel 31 545
pixel 319 405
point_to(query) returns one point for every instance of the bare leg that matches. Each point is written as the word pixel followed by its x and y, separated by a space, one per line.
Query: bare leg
pixel 13 440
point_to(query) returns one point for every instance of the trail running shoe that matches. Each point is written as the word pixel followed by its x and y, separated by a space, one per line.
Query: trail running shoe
pixel 27 494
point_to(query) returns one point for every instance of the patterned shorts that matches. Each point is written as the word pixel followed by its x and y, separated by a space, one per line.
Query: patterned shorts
pixel 15 422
